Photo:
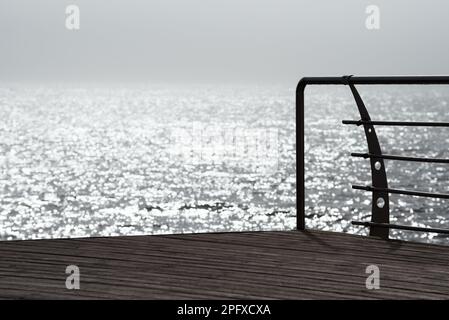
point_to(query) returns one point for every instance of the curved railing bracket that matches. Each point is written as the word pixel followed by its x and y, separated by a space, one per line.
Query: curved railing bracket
pixel 380 199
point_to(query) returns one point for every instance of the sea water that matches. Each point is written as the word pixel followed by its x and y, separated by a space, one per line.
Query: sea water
pixel 105 160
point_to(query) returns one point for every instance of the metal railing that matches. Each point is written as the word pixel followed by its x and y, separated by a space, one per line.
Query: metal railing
pixel 380 211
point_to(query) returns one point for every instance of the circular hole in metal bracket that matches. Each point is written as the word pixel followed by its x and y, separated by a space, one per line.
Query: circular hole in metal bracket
pixel 377 165
pixel 380 202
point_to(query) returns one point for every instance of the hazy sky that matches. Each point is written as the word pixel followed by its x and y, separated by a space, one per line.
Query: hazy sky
pixel 220 40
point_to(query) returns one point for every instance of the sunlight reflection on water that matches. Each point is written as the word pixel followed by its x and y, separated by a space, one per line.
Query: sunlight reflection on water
pixel 103 161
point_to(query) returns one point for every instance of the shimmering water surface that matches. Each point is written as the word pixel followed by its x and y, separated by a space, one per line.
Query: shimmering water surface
pixel 101 161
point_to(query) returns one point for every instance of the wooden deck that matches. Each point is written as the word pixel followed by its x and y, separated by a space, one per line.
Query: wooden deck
pixel 258 265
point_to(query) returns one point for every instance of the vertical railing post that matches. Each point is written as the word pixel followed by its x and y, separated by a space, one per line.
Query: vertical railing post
pixel 300 200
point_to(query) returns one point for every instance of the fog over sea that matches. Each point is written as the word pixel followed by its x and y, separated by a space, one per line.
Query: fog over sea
pixel 99 160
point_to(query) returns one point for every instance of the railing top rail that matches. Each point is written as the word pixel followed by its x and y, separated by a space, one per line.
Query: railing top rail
pixel 375 80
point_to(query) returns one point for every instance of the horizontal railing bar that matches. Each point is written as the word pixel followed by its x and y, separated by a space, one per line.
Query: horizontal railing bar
pixel 397 123
pixel 400 227
pixel 394 80
pixel 401 158
pixel 399 191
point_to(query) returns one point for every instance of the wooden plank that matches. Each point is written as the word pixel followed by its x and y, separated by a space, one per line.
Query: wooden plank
pixel 251 265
